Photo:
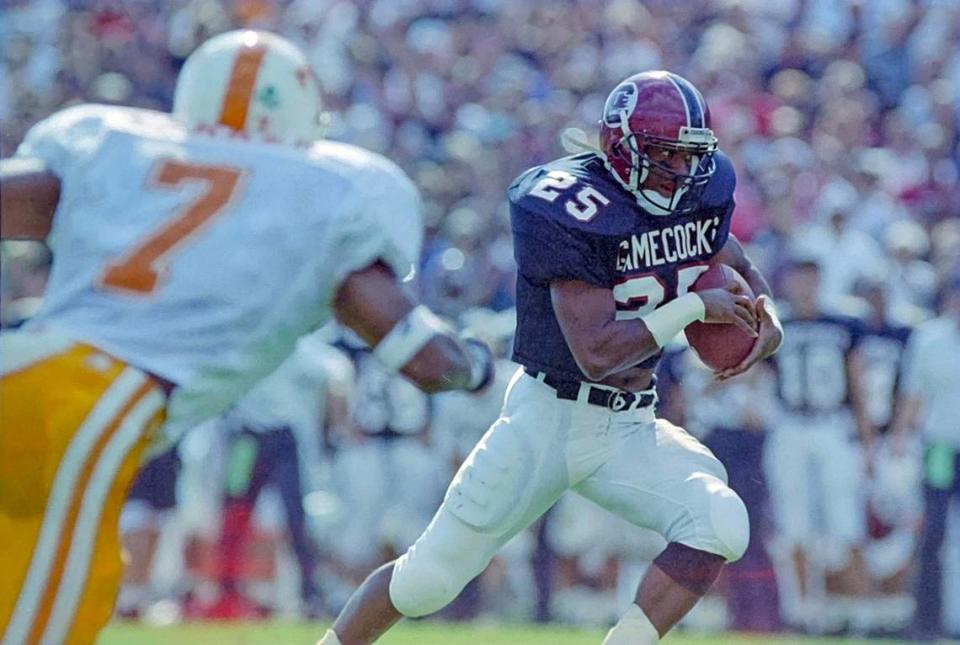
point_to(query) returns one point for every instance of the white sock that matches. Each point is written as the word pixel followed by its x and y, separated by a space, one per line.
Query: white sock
pixel 634 628
pixel 330 638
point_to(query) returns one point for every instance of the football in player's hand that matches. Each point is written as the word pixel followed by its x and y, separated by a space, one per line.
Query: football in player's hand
pixel 719 346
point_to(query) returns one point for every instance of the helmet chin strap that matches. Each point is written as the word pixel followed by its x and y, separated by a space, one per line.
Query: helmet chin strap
pixel 653 202
pixel 635 160
pixel 657 204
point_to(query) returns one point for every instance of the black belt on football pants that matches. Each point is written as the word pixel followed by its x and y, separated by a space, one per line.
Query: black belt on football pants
pixel 616 400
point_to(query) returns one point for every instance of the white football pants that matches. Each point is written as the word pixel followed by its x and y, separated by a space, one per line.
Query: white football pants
pixel 646 470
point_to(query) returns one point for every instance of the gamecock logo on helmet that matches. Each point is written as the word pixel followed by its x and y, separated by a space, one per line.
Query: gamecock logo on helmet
pixel 621 100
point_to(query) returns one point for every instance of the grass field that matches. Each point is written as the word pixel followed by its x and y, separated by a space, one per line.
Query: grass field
pixel 417 633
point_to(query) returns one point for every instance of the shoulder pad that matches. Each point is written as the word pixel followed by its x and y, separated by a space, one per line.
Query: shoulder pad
pixel 87 118
pixel 547 191
pixel 77 115
pixel 719 190
pixel 65 136
pixel 580 166
pixel 76 131
pixel 355 158
pixel 385 220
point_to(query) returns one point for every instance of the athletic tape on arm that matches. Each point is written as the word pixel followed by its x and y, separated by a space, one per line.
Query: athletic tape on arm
pixel 670 319
pixel 408 337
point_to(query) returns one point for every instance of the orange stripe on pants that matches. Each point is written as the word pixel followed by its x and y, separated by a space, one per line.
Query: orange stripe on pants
pixel 56 573
pixel 42 407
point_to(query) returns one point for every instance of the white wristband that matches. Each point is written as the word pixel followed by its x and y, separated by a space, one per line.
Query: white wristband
pixel 408 337
pixel 670 319
pixel 481 364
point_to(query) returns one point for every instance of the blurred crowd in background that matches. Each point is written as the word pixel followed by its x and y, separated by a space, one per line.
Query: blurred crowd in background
pixel 841 117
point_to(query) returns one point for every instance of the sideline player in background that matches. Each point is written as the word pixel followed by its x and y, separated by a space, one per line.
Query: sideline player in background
pixel 930 405
pixel 607 245
pixel 386 468
pixel 813 459
pixel 191 251
pixel 883 340
pixel 893 479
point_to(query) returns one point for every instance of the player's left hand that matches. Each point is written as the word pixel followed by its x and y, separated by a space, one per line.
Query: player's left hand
pixel 768 340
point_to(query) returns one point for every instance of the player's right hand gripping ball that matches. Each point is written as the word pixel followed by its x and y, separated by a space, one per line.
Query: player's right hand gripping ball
pixel 719 346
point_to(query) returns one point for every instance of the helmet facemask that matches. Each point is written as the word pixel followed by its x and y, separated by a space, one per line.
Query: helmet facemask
pixel 698 143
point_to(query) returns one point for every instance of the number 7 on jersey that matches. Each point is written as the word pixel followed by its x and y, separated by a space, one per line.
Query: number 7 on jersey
pixel 140 270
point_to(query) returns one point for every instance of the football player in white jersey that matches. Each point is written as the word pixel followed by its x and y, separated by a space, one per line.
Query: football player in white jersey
pixel 191 251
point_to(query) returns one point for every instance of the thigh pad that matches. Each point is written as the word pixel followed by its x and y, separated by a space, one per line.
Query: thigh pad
pixel 493 486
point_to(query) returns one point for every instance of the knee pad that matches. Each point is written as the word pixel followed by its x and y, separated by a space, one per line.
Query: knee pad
pixel 730 523
pixel 718 521
pixel 421 586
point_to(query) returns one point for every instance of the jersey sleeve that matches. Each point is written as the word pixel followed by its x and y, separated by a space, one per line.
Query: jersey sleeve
pixel 65 137
pixel 545 251
pixel 548 243
pixel 386 224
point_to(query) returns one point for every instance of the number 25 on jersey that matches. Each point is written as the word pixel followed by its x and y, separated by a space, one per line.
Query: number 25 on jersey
pixel 584 206
pixel 140 270
pixel 638 295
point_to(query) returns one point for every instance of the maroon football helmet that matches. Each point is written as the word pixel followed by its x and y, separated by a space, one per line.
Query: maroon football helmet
pixel 651 117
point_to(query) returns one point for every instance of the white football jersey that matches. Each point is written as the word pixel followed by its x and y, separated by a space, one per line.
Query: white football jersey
pixel 201 258
pixel 294 394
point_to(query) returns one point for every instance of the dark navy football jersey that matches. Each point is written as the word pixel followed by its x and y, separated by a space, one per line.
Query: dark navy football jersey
pixel 882 349
pixel 571 220
pixel 812 362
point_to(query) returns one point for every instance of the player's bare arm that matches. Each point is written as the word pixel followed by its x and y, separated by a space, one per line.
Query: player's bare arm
pixel 733 255
pixel 906 417
pixel 856 375
pixel 28 198
pixel 372 303
pixel 770 333
pixel 604 346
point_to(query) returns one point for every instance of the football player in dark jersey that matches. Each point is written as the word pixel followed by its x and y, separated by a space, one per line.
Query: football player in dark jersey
pixel 815 454
pixel 893 487
pixel 607 244
pixel 880 349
